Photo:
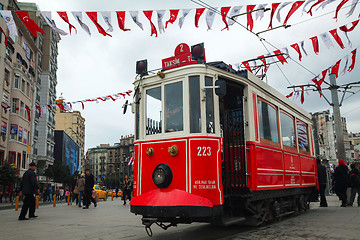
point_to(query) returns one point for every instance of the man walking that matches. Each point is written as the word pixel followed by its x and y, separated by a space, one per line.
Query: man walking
pixel 322 178
pixel 81 187
pixel 127 187
pixel 89 184
pixel 28 187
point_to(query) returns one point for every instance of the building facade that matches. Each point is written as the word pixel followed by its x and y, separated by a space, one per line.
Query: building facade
pixel 355 146
pixel 74 125
pixel 107 161
pixel 325 137
pixel 67 151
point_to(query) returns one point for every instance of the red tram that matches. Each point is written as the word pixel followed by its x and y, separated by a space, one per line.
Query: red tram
pixel 220 146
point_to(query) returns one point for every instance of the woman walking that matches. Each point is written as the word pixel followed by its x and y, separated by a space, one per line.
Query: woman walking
pixel 80 184
pixel 341 181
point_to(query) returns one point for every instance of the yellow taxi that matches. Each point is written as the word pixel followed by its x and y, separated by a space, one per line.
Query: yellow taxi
pixel 111 192
pixel 101 193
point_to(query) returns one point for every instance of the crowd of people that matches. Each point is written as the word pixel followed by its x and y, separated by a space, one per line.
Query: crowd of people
pixel 345 183
pixel 82 191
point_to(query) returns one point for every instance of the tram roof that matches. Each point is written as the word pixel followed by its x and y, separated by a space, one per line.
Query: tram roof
pixel 221 69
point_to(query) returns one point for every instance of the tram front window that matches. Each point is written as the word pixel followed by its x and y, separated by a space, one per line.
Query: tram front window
pixel 153 111
pixel 174 107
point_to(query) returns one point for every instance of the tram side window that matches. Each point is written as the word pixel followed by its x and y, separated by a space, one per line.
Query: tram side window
pixel 210 126
pixel 153 111
pixel 195 114
pixel 302 136
pixel 268 122
pixel 288 130
pixel 174 107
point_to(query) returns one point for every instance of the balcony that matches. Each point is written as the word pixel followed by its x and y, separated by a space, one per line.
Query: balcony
pixel 38 81
pixel 50 136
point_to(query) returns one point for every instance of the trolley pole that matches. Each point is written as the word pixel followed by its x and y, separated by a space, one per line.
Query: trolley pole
pixel 340 147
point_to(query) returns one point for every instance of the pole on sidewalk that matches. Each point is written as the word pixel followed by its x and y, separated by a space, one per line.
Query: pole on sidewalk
pixel 68 199
pixel 54 204
pixel 37 201
pixel 340 147
pixel 17 203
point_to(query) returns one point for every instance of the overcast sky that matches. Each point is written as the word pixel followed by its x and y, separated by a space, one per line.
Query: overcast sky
pixel 96 66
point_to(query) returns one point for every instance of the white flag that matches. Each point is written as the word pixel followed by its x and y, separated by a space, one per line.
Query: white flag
pixel 107 18
pixel 9 20
pixel 185 12
pixel 210 16
pixel 324 4
pixel 135 17
pixel 302 44
pixel 326 39
pixel 280 8
pixel 234 11
pixel 285 50
pixel 78 17
pixel 51 23
pixel 260 13
pixel 353 6
pixel 346 59
pixel 305 5
pixel 237 66
pixel 160 15
pixel 269 59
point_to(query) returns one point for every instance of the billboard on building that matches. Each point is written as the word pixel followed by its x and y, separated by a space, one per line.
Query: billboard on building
pixel 67 151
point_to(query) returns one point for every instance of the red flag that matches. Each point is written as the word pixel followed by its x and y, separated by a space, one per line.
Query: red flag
pixel 280 56
pixel 61 106
pixel 64 17
pixel 199 12
pixel 247 66
pixel 339 7
pixel 70 104
pixel 148 15
pixel 353 60
pixel 39 109
pixel 302 95
pixel 293 9
pixel 93 17
pixel 315 44
pixel 121 20
pixel 318 83
pixel 324 72
pixel 224 12
pixel 345 29
pixel 263 59
pixel 28 112
pixel 317 3
pixel 173 15
pixel 290 95
pixel 273 10
pixel 29 23
pixel 335 68
pixel 6 39
pixel 111 97
pixel 337 38
pixel 82 104
pixel 250 21
pixel 297 48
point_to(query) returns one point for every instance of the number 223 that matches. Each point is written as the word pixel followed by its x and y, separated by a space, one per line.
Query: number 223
pixel 204 151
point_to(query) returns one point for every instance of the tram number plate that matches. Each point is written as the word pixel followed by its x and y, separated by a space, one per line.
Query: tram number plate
pixel 204 151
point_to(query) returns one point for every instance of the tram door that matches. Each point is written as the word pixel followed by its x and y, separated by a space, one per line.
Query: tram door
pixel 234 149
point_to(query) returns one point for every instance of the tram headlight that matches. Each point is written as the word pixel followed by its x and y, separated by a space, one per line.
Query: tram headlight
pixel 162 176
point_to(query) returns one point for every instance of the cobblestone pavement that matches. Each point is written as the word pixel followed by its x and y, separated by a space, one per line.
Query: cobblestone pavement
pixel 112 220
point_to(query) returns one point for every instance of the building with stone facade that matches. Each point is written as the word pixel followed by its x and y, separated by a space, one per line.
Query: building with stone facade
pixel 74 125
pixel 23 63
pixel 355 145
pixel 325 137
pixel 111 161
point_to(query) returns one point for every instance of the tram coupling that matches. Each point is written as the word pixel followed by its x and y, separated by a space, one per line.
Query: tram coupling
pixel 148 222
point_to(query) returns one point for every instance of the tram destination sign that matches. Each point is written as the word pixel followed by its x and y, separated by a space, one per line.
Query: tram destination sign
pixel 182 57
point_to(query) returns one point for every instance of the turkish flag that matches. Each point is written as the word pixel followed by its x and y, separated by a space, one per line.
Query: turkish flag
pixel 148 15
pixel 317 3
pixel 339 7
pixel 247 66
pixel 29 23
pixel 280 56
pixel 64 17
pixel 290 95
pixel 293 9
pixel 353 60
pixel 315 44
pixel 6 39
pixel 274 6
pixel 335 68
pixel 302 95
pixel 318 84
pixel 337 38
pixel 250 21
pixel 297 48
pixel 173 15
pixel 121 20
pixel 224 12
pixel 93 17
pixel 199 12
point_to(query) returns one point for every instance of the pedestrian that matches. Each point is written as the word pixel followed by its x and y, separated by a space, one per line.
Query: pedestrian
pixel 89 185
pixel 116 191
pixel 322 178
pixel 354 182
pixel 57 193
pixel 127 187
pixel 28 187
pixel 62 194
pixel 341 181
pixel 50 193
pixel 80 184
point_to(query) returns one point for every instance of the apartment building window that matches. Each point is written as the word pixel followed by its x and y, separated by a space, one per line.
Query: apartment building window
pixel 7 77
pixel 23 163
pixel 12 156
pixel 23 85
pixel 13 131
pixel 28 89
pixel 18 160
pixel 15 105
pixel 20 137
pixel 26 113
pixel 21 110
pixel 1 7
pixel 16 81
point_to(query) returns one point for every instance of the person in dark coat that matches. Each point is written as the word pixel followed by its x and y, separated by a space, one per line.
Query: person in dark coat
pixel 127 188
pixel 322 178
pixel 341 181
pixel 354 180
pixel 89 185
pixel 28 187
